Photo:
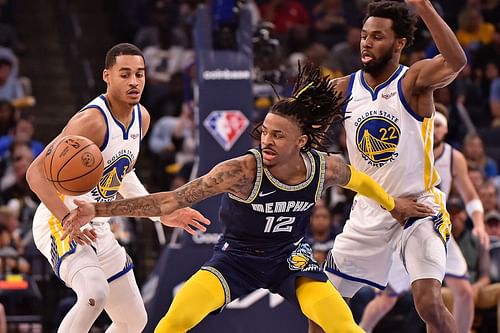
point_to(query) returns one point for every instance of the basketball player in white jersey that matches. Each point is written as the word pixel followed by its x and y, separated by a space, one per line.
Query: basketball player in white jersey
pixel 101 273
pixel 452 169
pixel 390 137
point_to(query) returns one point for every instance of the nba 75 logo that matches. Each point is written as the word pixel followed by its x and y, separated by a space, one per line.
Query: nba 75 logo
pixel 226 126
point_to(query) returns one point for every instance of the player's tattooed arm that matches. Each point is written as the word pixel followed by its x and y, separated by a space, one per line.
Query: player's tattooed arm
pixel 235 176
pixel 337 171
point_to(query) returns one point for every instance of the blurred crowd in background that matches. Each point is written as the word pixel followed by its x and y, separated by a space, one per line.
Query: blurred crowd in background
pixel 325 32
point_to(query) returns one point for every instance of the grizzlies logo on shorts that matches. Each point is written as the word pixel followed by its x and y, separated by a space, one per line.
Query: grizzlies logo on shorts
pixel 301 259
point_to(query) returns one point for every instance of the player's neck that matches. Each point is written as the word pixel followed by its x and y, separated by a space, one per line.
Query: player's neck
pixel 120 110
pixel 438 150
pixel 375 79
pixel 293 172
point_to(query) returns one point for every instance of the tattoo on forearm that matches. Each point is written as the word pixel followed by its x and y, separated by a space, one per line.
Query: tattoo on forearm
pixel 142 206
pixel 228 177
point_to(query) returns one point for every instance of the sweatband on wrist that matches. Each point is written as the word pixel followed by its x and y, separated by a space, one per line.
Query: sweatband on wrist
pixel 365 185
pixel 475 205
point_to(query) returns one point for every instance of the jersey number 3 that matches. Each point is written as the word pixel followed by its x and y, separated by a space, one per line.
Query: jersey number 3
pixel 283 224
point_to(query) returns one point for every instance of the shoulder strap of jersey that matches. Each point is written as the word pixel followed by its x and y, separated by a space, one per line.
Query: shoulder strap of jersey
pixel 258 178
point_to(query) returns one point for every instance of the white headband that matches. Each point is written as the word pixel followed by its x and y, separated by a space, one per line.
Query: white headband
pixel 439 117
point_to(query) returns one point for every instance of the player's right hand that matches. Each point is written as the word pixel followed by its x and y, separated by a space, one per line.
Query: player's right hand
pixel 77 218
pixel 407 207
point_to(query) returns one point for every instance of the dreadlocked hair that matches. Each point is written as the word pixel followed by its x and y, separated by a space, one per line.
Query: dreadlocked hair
pixel 314 104
pixel 404 22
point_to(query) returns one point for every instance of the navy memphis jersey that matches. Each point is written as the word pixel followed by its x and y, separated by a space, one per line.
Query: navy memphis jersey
pixel 274 218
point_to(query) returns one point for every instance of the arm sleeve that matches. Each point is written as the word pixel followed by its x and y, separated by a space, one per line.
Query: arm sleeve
pixel 365 185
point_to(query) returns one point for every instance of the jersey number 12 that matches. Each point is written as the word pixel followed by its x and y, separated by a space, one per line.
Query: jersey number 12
pixel 283 224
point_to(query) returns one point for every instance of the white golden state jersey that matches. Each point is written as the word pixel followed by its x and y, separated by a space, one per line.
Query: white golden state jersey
pixel 119 150
pixel 444 167
pixel 386 139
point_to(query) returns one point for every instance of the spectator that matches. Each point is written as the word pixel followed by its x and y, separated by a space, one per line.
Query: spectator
pixel 172 140
pixel 10 260
pixel 321 235
pixel 476 177
pixel 330 22
pixel 344 57
pixel 15 190
pixel 473 30
pixel 475 155
pixel 486 295
pixel 489 197
pixel 495 102
pixel 162 26
pixel 7 117
pixel 492 221
pixel 10 86
pixel 284 14
pixel 23 132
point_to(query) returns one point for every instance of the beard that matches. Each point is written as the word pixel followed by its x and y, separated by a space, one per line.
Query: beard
pixel 377 66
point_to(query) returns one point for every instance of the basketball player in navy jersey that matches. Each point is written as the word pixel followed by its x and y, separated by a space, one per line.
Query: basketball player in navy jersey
pixel 101 275
pixel 390 137
pixel 268 197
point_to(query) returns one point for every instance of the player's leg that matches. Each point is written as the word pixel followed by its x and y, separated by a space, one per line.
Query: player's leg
pixel 463 304
pixel 377 309
pixel 202 294
pixel 457 280
pixel 125 306
pixel 322 304
pixel 425 259
pixel 82 273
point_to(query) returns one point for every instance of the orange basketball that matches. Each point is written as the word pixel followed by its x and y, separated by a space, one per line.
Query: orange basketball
pixel 74 164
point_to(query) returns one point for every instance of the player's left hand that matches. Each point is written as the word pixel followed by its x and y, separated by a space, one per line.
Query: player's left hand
pixel 77 218
pixel 405 208
pixel 482 235
pixel 187 219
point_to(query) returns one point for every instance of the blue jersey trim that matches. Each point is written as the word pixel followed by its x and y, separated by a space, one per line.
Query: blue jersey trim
pixel 454 276
pixel 139 115
pixel 348 92
pixel 355 279
pixel 381 86
pixel 124 130
pixel 106 136
pixel 405 102
pixel 124 271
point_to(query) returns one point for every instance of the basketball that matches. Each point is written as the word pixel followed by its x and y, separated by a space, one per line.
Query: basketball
pixel 73 164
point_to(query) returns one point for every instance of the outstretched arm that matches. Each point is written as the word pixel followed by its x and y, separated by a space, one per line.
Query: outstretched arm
pixel 235 176
pixel 431 74
pixel 341 174
pixel 469 195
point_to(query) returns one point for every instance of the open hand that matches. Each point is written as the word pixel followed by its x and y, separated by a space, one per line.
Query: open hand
pixel 187 219
pixel 482 235
pixel 77 218
pixel 405 208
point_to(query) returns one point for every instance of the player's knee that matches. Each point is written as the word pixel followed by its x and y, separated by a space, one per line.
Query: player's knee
pixel 462 291
pixel 385 303
pixel 138 321
pixel 431 310
pixel 95 297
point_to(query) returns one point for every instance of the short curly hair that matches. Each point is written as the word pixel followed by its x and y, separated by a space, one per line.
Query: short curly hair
pixel 404 22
